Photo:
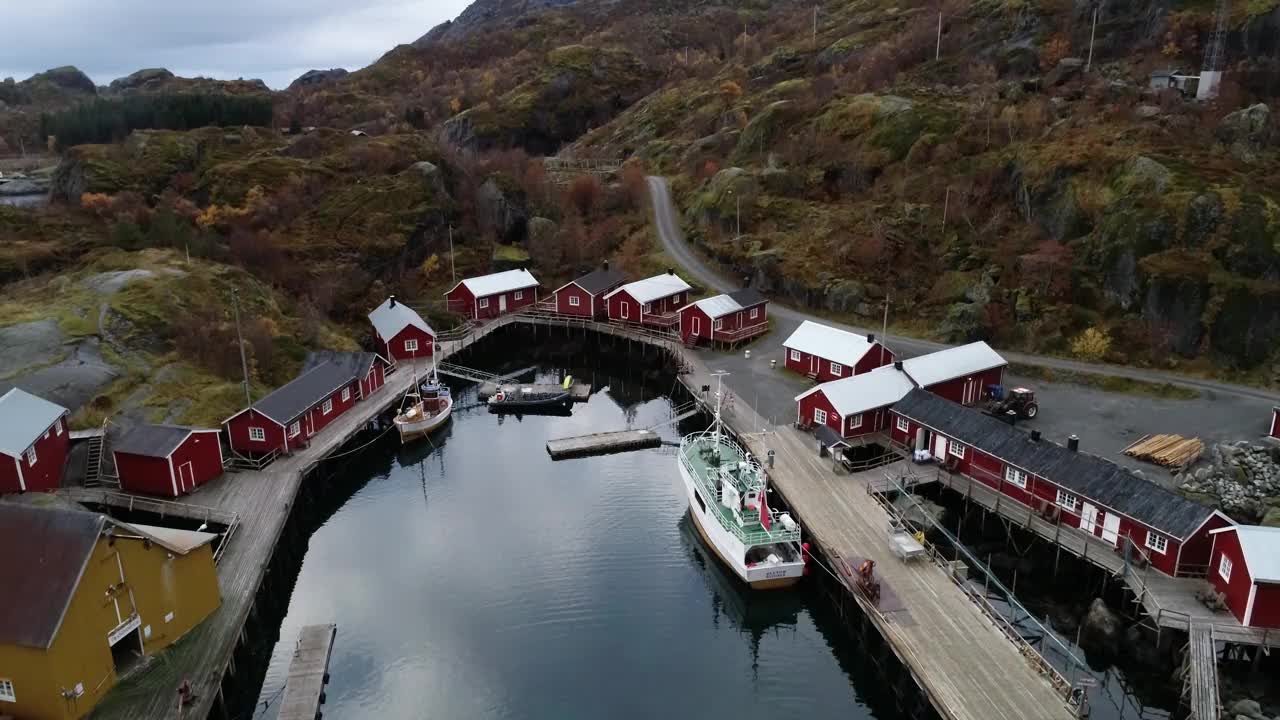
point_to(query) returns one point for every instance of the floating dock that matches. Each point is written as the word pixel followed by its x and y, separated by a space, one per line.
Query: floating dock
pixel 602 443
pixel 308 673
pixel 578 392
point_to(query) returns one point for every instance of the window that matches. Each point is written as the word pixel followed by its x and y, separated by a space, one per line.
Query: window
pixel 676 300
pixel 837 369
pixel 411 345
pixel 6 691
pixel 904 425
pixel 45 436
pixel 855 421
pixel 57 426
pixel 327 407
pixel 31 455
pixel 346 394
pixel 955 449
pixel 294 429
pixel 1157 542
pixel 755 313
pixel 257 434
pixel 1014 476
pixel 648 307
pixel 1224 568
pixel 719 325
pixel 820 416
pixel 574 301
pixel 1067 500
pixel 483 303
pixel 518 296
pixel 795 355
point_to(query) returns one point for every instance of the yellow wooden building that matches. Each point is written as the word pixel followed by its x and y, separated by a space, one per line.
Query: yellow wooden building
pixel 85 598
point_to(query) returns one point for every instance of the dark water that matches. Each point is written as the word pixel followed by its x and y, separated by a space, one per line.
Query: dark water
pixel 479 579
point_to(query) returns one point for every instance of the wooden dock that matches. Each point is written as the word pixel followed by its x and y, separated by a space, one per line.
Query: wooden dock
pixel 603 443
pixel 1202 673
pixel 308 673
pixel 578 392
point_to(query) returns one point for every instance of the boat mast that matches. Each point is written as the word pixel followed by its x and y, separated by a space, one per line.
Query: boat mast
pixel 719 376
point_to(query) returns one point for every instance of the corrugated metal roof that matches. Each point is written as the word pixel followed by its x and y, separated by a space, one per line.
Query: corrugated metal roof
pixel 486 285
pixel 43 553
pixel 1089 476
pixel 171 539
pixel 598 281
pixel 868 391
pixel 717 306
pixel 952 363
pixel 388 319
pixel 289 401
pixel 23 419
pixel 653 288
pixel 152 440
pixel 1261 548
pixel 830 343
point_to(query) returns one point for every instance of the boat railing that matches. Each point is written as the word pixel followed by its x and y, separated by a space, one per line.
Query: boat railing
pixel 777 533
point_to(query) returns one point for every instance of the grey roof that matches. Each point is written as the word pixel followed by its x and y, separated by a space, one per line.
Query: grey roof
pixel 153 440
pixel 1093 478
pixel 746 297
pixel 23 419
pixel 43 554
pixel 829 437
pixel 299 395
pixel 952 363
pixel 388 319
pixel 601 280
pixel 357 363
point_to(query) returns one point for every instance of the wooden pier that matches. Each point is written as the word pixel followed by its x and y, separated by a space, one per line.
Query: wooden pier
pixel 602 443
pixel 578 392
pixel 308 673
pixel 1202 673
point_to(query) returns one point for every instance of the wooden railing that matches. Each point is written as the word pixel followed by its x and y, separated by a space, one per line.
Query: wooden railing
pixel 737 334
pixel 163 508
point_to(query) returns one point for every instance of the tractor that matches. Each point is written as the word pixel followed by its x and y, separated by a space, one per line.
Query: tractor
pixel 1019 401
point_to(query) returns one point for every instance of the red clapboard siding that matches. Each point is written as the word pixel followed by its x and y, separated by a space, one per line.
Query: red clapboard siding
pixel 398 348
pixel 1239 585
pixel 17 475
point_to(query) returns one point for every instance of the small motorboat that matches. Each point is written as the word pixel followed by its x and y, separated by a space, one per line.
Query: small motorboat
pixel 532 397
pixel 425 408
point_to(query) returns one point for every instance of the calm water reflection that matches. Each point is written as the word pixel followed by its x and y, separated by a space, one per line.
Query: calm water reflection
pixel 479 579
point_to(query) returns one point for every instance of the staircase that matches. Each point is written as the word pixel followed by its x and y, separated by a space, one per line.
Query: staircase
pixel 94 473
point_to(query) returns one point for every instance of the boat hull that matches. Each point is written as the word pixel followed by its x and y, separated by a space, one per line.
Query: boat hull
pixel 412 429
pixel 730 550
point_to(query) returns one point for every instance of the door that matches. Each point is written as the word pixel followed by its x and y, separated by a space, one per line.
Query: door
pixel 1088 518
pixel 502 303
pixel 1111 528
pixel 921 442
pixel 968 396
pixel 696 326
pixel 186 477
pixel 940 447
pixel 813 365
pixel 624 309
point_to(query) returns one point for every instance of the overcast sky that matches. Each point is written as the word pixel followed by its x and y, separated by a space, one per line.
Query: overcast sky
pixel 275 40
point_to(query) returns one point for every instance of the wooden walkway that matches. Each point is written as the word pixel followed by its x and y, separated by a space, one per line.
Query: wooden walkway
pixel 1202 673
pixel 602 443
pixel 308 673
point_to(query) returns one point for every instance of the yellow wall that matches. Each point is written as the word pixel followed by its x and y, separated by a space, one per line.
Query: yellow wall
pixel 184 585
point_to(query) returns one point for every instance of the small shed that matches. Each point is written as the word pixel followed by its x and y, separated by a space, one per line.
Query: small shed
pixel 584 297
pixel 489 296
pixel 824 353
pixel 854 406
pixel 1246 569
pixel 960 374
pixel 400 332
pixel 725 319
pixel 33 442
pixel 166 460
pixel 653 301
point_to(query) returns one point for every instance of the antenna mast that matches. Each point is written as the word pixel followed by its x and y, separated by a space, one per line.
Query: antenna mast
pixel 1215 56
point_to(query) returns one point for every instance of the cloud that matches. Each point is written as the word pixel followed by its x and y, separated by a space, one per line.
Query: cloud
pixel 275 40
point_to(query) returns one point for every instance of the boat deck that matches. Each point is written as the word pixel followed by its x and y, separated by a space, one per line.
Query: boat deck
pixel 703 469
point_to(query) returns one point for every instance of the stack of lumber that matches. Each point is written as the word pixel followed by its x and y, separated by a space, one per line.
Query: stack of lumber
pixel 1167 450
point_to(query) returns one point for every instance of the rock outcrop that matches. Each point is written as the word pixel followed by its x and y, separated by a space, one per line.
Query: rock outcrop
pixel 1102 629
pixel 1242 477
pixel 148 79
pixel 1246 132
pixel 312 78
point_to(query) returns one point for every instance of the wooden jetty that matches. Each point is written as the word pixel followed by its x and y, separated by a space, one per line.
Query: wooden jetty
pixel 602 443
pixel 308 673
pixel 1201 679
pixel 578 392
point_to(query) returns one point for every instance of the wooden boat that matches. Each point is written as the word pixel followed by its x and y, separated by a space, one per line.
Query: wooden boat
pixel 525 397
pixel 425 408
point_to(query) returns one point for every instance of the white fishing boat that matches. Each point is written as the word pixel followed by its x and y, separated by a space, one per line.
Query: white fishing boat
pixel 425 408
pixel 729 503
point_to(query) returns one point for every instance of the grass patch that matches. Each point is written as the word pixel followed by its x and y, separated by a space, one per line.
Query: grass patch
pixel 1127 386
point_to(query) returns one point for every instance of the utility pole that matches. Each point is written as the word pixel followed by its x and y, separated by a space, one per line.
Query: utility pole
pixel 1092 34
pixel 453 271
pixel 937 52
pixel 815 27
pixel 946 205
pixel 884 328
pixel 244 364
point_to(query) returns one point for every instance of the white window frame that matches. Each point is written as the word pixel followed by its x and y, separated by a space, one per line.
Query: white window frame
pixel 819 416
pixel 1015 477
pixel 676 300
pixel 1067 501
pixel 57 426
pixel 346 394
pixel 574 301
pixel 45 436
pixel 956 448
pixel 837 368
pixel 648 308
pixel 795 355
pixel 755 313
pixel 1224 567
pixel 31 455
pixel 327 407
pixel 1157 542
pixel 519 295
pixel 295 429
pixel 855 422
pixel 719 324
pixel 482 303
pixel 411 345
pixel 257 434
pixel 904 425
pixel 7 693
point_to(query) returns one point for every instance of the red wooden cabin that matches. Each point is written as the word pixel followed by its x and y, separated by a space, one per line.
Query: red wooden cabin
pixel 653 301
pixel 166 460
pixel 1245 567
pixel 854 406
pixel 584 297
pixel 286 419
pixel 400 332
pixel 960 374
pixel 825 353
pixel 489 296
pixel 1084 491
pixel 725 319
pixel 34 441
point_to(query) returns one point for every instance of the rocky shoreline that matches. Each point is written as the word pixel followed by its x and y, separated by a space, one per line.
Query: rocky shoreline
pixel 1242 478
